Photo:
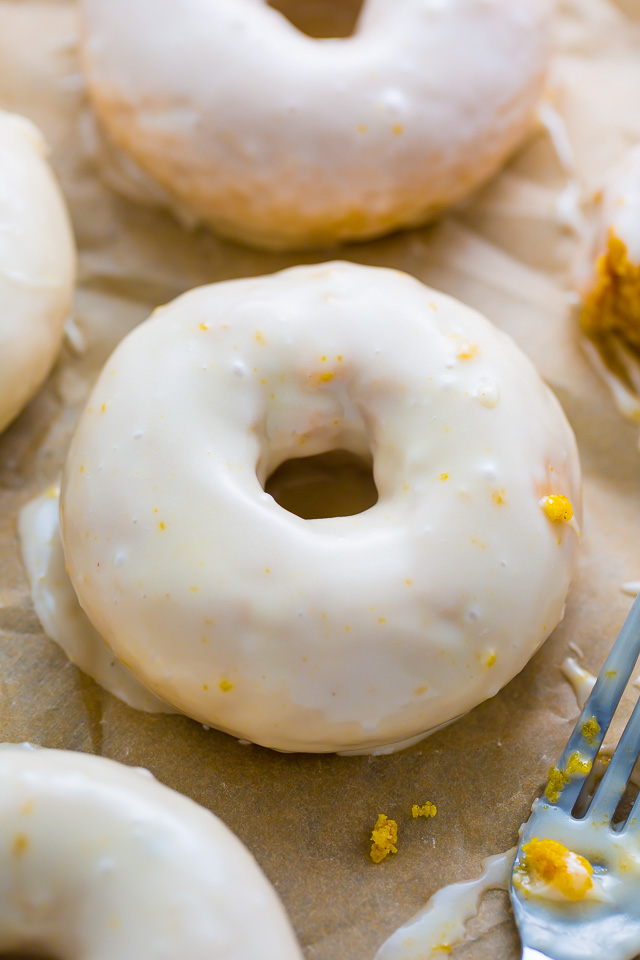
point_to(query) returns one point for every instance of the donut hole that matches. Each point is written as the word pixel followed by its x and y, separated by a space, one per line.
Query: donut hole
pixel 337 483
pixel 321 19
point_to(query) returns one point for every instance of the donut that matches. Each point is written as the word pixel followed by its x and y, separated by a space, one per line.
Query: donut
pixel 610 268
pixel 608 280
pixel 340 632
pixel 281 140
pixel 37 265
pixel 99 860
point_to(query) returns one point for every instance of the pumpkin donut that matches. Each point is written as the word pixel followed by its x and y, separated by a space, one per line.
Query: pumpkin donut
pixel 99 860
pixel 225 111
pixel 340 632
pixel 37 265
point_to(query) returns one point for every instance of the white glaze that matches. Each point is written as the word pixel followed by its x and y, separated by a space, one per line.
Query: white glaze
pixel 99 860
pixel 441 923
pixel 631 588
pixel 331 634
pixel 580 679
pixel 37 265
pixel 282 140
pixel 65 622
pixel 60 614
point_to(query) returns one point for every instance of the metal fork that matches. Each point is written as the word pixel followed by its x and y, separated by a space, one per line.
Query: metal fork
pixel 590 930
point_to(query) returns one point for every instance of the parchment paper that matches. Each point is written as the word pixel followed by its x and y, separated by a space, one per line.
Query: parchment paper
pixel 307 818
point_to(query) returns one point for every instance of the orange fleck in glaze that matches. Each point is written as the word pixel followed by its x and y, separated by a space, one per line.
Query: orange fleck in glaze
pixel 20 845
pixel 558 508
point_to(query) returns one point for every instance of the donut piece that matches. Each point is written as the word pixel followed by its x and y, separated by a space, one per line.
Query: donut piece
pixel 99 860
pixel 610 286
pixel 608 282
pixel 37 265
pixel 236 118
pixel 342 632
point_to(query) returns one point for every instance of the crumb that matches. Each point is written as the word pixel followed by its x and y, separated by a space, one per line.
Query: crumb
pixel 576 764
pixel 428 809
pixel 384 836
pixel 590 729
pixel 554 864
pixel 556 784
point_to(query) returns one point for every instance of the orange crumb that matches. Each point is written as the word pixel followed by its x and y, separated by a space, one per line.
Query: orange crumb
pixel 384 836
pixel 556 865
pixel 427 810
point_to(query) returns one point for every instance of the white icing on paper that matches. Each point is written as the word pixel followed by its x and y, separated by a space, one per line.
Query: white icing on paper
pixel 441 923
pixel 631 588
pixel 580 679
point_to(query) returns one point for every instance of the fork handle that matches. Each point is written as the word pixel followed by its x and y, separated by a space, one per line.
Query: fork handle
pixel 528 953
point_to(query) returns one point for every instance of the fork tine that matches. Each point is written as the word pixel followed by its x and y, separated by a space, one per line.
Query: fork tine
pixel 614 781
pixel 602 702
pixel 634 815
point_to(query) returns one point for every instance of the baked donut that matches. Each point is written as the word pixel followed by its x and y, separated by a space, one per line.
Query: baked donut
pixel 37 265
pixel 225 111
pixel 99 860
pixel 342 632
pixel 610 271
pixel 608 274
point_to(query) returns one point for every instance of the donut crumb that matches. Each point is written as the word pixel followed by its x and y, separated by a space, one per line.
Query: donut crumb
pixel 554 864
pixel 577 764
pixel 384 837
pixel 556 784
pixel 427 810
pixel 590 729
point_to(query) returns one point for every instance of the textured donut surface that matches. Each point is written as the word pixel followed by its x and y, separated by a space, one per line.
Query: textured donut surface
pixel 37 265
pixel 340 632
pixel 610 267
pixel 282 140
pixel 99 861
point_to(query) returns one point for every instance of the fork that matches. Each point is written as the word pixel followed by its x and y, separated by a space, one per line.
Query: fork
pixel 578 813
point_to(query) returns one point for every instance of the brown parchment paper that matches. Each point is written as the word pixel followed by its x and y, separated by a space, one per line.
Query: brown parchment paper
pixel 307 818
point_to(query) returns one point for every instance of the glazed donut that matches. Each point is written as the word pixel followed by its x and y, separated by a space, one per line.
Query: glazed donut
pixel 37 265
pixel 234 117
pixel 99 860
pixel 610 267
pixel 339 633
